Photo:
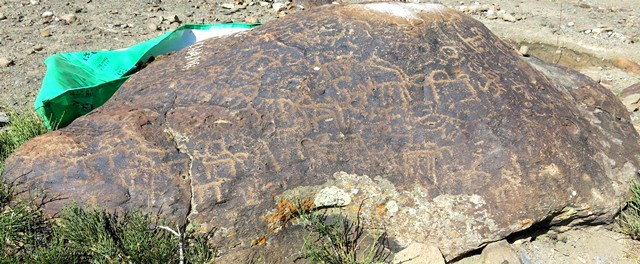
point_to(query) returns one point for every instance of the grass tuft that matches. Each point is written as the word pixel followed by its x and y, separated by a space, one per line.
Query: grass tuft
pixel 79 235
pixel 93 236
pixel 629 220
pixel 21 127
pixel 336 239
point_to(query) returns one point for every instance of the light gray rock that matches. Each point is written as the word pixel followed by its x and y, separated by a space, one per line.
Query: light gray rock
pixel 509 17
pixel 417 253
pixel 4 118
pixel 332 196
pixel 499 252
pixel 524 50
pixel 279 6
pixel 5 62
pixel 69 18
pixel 227 6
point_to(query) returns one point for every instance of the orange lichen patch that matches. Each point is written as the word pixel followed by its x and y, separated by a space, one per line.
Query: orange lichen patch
pixel 381 209
pixel 260 241
pixel 232 234
pixel 288 211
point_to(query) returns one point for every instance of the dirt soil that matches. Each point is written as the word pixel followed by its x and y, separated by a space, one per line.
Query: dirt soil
pixel 600 38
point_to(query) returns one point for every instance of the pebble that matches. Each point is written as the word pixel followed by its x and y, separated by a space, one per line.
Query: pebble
pixel 491 14
pixel 571 24
pixel 631 102
pixel 227 6
pixel 34 2
pixel 45 33
pixel 5 62
pixel 3 16
pixel 417 253
pixel 626 65
pixel 174 19
pixel 524 50
pixel 47 14
pixel 599 30
pixel 69 18
pixel 4 118
pixel 509 17
pixel 279 6
pixel 499 252
pixel 264 3
pixel 250 20
pixel 152 27
pixel 35 49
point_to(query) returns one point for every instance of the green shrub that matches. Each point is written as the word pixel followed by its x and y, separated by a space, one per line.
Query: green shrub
pixel 21 127
pixel 99 237
pixel 336 239
pixel 629 219
pixel 22 226
pixel 82 236
pixel 79 235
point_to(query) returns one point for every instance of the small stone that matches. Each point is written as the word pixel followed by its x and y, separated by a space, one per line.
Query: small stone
pixel 152 27
pixel 491 14
pixel 392 207
pixel 263 3
pixel 588 31
pixel 626 65
pixel 509 17
pixel 571 24
pixel 332 196
pixel 279 6
pixel 3 16
pixel 5 62
pixel 417 253
pixel 45 33
pixel 34 2
pixel 631 102
pixel 4 118
pixel 227 6
pixel 68 18
pixel 599 30
pixel 250 20
pixel 524 50
pixel 47 14
pixel 174 19
pixel 499 252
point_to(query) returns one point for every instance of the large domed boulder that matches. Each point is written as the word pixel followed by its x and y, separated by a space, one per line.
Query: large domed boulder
pixel 438 128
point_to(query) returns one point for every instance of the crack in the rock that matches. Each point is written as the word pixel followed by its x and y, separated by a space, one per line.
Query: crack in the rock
pixel 180 144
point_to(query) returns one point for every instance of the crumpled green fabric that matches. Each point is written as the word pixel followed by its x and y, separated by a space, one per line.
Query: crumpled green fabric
pixel 77 82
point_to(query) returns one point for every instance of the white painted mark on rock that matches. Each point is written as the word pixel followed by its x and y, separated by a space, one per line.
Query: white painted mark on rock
pixel 404 10
pixel 193 55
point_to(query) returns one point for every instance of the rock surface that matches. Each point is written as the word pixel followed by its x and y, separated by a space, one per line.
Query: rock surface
pixel 417 253
pixel 465 142
pixel 499 253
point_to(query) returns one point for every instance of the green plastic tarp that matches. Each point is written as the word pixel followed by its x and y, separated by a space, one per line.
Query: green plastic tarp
pixel 77 82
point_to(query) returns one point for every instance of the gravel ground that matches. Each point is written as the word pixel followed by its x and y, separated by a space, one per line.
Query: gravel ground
pixel 600 38
pixel 586 34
